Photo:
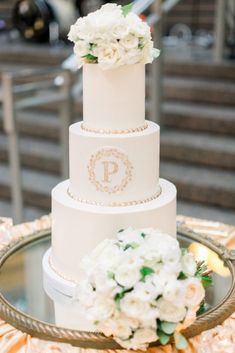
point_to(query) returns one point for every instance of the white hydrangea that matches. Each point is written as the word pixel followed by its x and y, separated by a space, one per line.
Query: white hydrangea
pixel 136 281
pixel 111 38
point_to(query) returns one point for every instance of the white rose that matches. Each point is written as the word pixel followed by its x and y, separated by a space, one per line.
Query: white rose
pixel 103 20
pixel 140 341
pixel 129 42
pixel 131 344
pixel 148 53
pixel 195 293
pixel 103 283
pixel 159 280
pixel 80 30
pixel 174 291
pixel 81 48
pixel 145 335
pixel 189 265
pixel 130 235
pixel 110 257
pixel 102 309
pixel 137 26
pixel 90 262
pixel 148 319
pixel 131 57
pixel 127 276
pixel 85 293
pixel 119 325
pixel 73 33
pixel 158 241
pixel 170 312
pixel 171 257
pixel 114 9
pixel 108 53
pixel 147 291
pixel 131 258
pixel 120 30
pixel 153 256
pixel 132 306
pixel 189 320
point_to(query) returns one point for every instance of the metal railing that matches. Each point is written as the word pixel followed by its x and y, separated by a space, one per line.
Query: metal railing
pixel 19 93
pixel 219 30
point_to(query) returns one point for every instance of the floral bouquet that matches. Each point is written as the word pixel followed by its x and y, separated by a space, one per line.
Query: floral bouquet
pixel 141 288
pixel 111 37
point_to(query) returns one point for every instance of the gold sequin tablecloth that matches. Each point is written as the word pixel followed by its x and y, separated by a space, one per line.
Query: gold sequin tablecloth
pixel 221 339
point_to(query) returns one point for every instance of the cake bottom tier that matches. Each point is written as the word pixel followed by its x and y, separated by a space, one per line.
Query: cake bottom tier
pixel 78 227
pixel 68 313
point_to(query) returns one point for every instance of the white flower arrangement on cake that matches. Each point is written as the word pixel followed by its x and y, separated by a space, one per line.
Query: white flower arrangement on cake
pixel 141 288
pixel 111 37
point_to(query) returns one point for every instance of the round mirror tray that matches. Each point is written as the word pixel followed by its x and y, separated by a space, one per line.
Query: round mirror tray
pixel 42 312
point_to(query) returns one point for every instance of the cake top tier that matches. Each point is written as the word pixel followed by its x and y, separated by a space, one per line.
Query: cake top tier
pixel 111 37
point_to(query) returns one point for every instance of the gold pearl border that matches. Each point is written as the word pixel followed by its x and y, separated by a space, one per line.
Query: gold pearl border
pixel 114 132
pixel 53 267
pixel 116 204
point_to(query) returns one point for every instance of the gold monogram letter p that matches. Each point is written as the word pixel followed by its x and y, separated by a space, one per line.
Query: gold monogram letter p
pixel 110 168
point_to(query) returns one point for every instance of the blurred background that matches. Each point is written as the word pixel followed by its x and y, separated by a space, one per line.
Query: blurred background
pixel 190 92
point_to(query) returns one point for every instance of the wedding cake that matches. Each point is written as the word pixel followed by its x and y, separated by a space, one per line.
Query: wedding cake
pixel 115 265
pixel 114 152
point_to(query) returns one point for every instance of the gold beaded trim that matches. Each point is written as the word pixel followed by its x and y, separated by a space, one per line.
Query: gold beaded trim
pixel 59 273
pixel 116 204
pixel 114 132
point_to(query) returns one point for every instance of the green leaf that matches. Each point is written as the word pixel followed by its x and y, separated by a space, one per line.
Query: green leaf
pixel 90 58
pixel 202 308
pixel 143 235
pixel 131 245
pixel 141 43
pixel 182 275
pixel 111 275
pixel 156 53
pixel 126 9
pixel 118 297
pixel 146 271
pixel 92 46
pixel 168 327
pixel 201 269
pixel 207 281
pixel 184 251
pixel 121 230
pixel 127 246
pixel 163 338
pixel 180 341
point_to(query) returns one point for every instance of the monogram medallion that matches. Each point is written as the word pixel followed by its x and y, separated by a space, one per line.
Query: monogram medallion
pixel 110 170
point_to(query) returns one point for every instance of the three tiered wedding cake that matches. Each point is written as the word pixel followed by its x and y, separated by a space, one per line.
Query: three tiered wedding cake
pixel 115 265
pixel 114 152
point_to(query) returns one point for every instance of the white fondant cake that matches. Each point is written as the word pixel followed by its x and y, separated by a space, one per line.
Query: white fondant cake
pixel 114 171
pixel 113 154
pixel 78 227
pixel 115 167
pixel 114 99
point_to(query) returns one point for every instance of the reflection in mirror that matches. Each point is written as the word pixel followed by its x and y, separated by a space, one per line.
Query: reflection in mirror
pixel 221 273
pixel 21 283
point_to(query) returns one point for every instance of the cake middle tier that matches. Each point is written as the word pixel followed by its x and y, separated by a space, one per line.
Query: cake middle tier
pixel 114 169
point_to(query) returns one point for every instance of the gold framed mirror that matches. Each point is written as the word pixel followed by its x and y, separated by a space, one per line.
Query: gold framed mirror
pixel 14 308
